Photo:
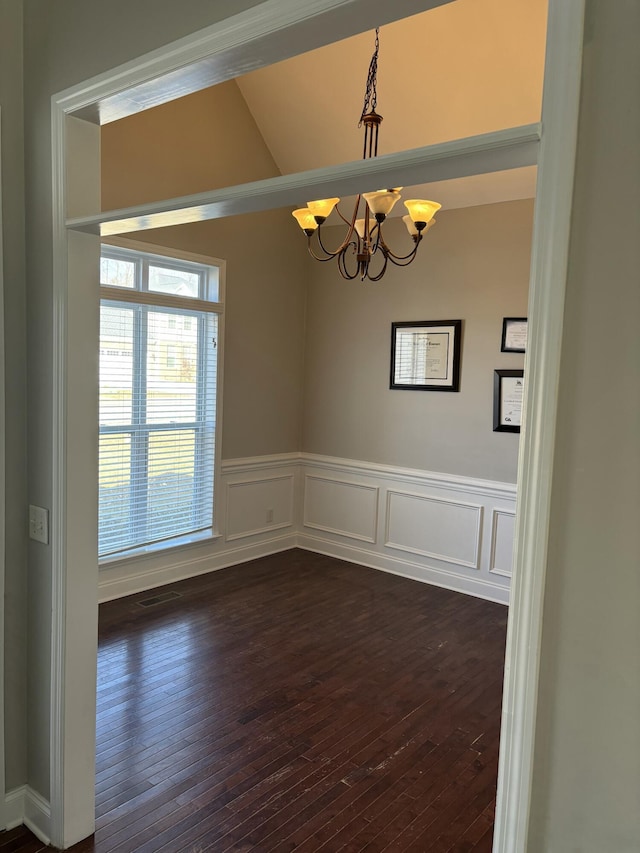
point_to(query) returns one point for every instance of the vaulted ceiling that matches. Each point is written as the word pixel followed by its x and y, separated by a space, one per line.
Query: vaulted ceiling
pixel 465 68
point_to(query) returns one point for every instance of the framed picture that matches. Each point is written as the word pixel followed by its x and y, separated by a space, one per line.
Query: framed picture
pixel 425 356
pixel 514 334
pixel 508 394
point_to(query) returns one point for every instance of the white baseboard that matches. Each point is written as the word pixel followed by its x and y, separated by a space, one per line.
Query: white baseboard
pixel 477 587
pixel 451 531
pixel 14 807
pixel 25 806
pixel 143 580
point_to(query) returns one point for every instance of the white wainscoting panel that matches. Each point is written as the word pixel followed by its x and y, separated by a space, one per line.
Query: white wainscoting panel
pixel 434 527
pixel 450 531
pixel 260 505
pixel 502 530
pixel 341 507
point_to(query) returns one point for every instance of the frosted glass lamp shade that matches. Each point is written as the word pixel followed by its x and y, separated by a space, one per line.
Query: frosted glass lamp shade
pixel 381 202
pixel 359 226
pixel 306 219
pixel 421 210
pixel 322 207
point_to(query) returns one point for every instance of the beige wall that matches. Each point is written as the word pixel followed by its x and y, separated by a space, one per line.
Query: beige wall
pixel 15 545
pixel 587 764
pixel 473 266
pixel 264 327
pixel 209 140
pixel 201 142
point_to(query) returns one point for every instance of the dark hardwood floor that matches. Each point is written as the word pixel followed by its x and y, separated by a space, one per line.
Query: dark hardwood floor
pixel 296 703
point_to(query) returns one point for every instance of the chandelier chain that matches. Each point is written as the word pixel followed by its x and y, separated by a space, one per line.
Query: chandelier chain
pixel 371 91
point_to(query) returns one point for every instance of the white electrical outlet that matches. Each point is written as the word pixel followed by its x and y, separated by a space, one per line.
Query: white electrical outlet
pixel 269 516
pixel 39 524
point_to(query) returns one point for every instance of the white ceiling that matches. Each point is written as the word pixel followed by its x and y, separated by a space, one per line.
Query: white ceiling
pixel 465 68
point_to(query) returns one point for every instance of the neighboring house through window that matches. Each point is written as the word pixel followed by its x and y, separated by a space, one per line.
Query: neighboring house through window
pixel 160 321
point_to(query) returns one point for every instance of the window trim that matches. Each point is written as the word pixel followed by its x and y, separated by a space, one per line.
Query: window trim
pixel 164 300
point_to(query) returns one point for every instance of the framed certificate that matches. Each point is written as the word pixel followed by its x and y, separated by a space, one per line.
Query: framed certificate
pixel 508 395
pixel 425 356
pixel 514 334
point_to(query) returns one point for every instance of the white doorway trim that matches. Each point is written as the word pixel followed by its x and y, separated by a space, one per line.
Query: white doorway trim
pixel 549 255
pixel 268 31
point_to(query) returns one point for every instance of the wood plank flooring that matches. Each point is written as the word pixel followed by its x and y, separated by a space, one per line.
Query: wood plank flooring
pixel 296 702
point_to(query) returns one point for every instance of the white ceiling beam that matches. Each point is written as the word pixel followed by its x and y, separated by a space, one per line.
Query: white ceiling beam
pixel 476 155
pixel 260 36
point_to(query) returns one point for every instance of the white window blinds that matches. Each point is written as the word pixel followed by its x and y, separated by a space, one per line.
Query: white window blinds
pixel 158 372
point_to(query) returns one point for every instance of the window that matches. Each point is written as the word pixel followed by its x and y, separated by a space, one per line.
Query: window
pixel 159 351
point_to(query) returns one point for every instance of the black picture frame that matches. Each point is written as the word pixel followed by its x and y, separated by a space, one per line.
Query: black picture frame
pixel 507 394
pixel 513 326
pixel 425 355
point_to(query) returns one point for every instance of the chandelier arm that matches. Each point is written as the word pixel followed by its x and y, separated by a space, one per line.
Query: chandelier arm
pixel 404 262
pixel 379 275
pixel 341 248
pixel 379 241
pixel 397 259
pixel 349 222
pixel 329 256
pixel 342 268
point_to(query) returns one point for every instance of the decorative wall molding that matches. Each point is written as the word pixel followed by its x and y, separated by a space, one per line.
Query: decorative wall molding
pixel 502 533
pixel 437 528
pixel 452 482
pixel 429 526
pixel 342 507
pixel 448 531
pixel 246 499
pixel 25 806
pixel 250 464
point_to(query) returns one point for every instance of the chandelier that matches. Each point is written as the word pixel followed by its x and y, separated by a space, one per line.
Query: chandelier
pixel 364 239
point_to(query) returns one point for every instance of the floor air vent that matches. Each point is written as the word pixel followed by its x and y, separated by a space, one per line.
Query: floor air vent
pixel 159 599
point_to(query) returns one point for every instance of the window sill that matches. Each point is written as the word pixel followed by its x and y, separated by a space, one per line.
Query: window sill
pixel 159 548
